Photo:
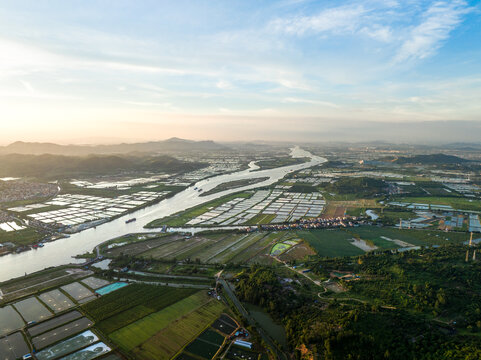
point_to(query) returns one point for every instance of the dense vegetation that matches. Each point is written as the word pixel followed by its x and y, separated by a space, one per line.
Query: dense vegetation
pixel 415 305
pixel 53 166
pixel 431 159
pixel 360 187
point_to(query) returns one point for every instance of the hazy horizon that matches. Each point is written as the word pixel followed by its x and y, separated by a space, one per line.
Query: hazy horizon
pixel 293 70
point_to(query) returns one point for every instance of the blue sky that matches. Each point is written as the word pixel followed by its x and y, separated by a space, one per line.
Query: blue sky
pixel 135 70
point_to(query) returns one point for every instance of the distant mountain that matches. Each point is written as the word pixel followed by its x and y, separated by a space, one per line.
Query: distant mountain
pixel 58 166
pixel 432 159
pixel 166 146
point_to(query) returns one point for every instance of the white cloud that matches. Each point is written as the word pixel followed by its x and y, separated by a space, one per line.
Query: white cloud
pixel 338 19
pixel 312 102
pixel 437 23
pixel 223 84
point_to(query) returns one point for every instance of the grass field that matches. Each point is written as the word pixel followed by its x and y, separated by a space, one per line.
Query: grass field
pixel 183 217
pixel 139 247
pixel 261 246
pixel 126 305
pixel 336 208
pixel 456 202
pixel 164 333
pixel 181 249
pixel 21 237
pixel 297 252
pixel 211 248
pixel 414 237
pixel 230 253
pixel 332 243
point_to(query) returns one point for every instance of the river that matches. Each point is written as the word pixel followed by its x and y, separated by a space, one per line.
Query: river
pixel 61 251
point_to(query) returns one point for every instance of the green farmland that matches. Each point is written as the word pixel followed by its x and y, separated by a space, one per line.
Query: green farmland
pixel 164 333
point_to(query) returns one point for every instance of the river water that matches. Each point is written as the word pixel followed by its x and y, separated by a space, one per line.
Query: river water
pixel 61 251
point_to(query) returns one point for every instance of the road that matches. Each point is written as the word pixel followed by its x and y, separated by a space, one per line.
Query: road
pixel 252 322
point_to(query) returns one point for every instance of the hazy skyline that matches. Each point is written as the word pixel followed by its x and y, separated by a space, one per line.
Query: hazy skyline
pixel 239 70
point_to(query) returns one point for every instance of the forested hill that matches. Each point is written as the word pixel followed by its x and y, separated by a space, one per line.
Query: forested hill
pixel 55 166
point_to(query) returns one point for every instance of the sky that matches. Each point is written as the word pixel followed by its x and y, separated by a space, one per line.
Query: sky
pixel 109 71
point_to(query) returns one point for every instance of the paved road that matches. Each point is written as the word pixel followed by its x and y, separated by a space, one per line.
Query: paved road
pixel 245 313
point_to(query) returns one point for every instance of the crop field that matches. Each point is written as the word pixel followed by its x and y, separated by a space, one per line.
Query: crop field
pixel 137 332
pixel 222 244
pixel 53 323
pixel 225 247
pixel 238 353
pixel 56 300
pixel 67 346
pixel 461 203
pixel 77 291
pixel 128 304
pixel 202 348
pixel 32 310
pixel 259 247
pixel 332 243
pixel 230 253
pixel 170 340
pixel 211 248
pixel 180 249
pixel 411 236
pixel 13 346
pixel 162 334
pixel 21 237
pixel 140 247
pixel 95 283
pixel 9 320
pixel 297 252
pixel 225 324
pixel 263 259
pixel 62 332
pixel 185 356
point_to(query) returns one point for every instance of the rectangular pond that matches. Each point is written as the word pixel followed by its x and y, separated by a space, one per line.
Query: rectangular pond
pixel 65 347
pixel 32 310
pixel 56 300
pixel 77 291
pixel 112 287
pixel 10 320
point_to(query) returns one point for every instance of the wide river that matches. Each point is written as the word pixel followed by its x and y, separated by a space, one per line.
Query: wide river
pixel 61 251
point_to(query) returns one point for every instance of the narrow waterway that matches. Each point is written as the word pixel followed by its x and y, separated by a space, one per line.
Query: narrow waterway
pixel 61 251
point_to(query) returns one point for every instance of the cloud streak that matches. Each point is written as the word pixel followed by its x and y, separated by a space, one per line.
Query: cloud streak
pixel 437 23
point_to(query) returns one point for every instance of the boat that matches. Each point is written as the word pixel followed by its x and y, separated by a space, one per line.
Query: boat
pixel 130 220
